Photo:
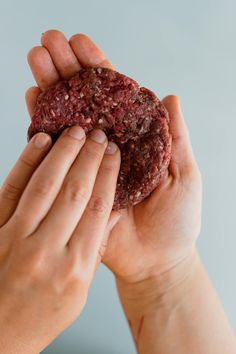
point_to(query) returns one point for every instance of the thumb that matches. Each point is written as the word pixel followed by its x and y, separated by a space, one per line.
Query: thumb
pixel 113 220
pixel 182 157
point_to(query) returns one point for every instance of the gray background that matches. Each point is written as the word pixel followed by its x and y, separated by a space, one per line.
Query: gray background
pixel 184 47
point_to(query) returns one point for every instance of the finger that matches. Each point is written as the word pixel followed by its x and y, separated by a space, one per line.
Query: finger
pixel 61 53
pixel 87 52
pixel 21 173
pixel 88 235
pixel 182 154
pixel 76 191
pixel 31 96
pixel 46 182
pixel 42 67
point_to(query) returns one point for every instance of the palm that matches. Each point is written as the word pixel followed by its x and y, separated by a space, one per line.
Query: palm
pixel 155 233
pixel 150 236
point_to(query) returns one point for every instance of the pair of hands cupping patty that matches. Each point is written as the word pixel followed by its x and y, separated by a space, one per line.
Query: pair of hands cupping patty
pixel 158 223
pixel 55 213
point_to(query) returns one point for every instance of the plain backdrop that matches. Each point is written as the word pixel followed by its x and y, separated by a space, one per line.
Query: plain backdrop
pixel 184 47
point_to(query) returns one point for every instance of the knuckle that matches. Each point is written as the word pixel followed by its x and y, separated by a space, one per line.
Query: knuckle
pixel 109 168
pixel 76 273
pixel 43 186
pixel 37 262
pixel 76 190
pixel 10 192
pixel 98 206
pixel 83 277
pixel 19 222
pixel 68 144
pixel 27 162
pixel 93 154
pixel 77 283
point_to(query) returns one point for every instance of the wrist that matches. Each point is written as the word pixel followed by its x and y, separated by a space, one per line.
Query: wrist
pixel 158 289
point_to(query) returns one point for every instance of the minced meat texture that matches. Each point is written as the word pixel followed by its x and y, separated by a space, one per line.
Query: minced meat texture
pixel 131 116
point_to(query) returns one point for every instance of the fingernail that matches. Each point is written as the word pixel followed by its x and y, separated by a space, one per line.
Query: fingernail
pixel 98 136
pixel 41 140
pixel 111 148
pixel 76 132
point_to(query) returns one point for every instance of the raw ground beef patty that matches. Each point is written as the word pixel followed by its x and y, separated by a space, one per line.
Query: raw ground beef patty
pixel 131 116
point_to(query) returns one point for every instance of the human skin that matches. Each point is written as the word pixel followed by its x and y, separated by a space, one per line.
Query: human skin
pixel 55 209
pixel 152 249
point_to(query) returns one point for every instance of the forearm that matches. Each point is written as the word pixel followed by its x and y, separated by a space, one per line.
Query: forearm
pixel 186 318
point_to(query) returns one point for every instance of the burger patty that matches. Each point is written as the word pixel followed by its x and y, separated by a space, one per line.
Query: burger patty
pixel 131 116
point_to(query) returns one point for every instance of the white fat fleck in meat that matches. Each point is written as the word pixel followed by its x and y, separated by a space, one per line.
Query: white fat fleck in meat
pixel 66 97
pixel 141 130
pixel 52 113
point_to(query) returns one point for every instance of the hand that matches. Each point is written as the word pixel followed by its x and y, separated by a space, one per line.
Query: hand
pixel 54 215
pixel 152 248
pixel 162 230
pixel 160 233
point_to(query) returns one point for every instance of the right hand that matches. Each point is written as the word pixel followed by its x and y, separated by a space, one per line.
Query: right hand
pixel 55 213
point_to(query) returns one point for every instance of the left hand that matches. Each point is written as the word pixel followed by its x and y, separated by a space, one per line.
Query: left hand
pixel 157 234
pixel 55 208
